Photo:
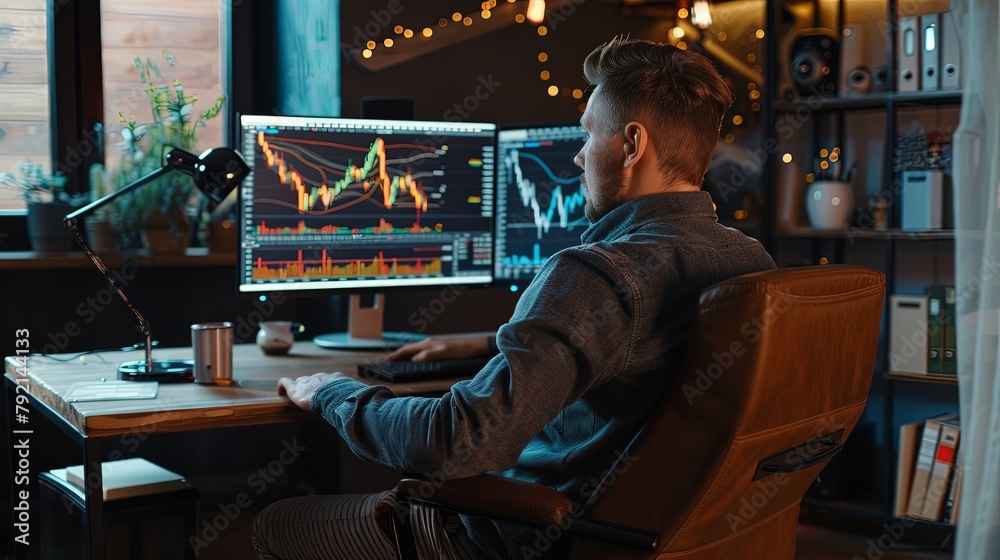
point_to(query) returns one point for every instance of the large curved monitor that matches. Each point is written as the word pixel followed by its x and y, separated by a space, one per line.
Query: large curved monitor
pixel 361 204
pixel 539 198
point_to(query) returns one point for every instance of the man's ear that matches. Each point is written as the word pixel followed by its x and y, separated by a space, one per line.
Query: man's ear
pixel 636 141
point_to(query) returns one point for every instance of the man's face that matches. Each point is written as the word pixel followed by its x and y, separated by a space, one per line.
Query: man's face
pixel 602 160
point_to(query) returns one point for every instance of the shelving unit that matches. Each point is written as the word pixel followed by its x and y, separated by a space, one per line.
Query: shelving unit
pixel 866 125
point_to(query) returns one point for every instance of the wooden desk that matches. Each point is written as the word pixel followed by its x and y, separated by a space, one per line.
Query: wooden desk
pixel 252 399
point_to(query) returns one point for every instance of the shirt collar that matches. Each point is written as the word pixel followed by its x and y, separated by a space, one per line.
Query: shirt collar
pixel 655 207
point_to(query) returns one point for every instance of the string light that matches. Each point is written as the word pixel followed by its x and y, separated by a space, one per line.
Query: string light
pixel 388 42
pixel 787 158
pixel 553 91
pixel 519 18
pixel 536 11
pixel 428 32
pixel 486 14
pixel 542 57
pixel 367 53
pixel 544 75
pixel 407 33
pixel 737 120
pixel 467 21
pixel 398 29
pixel 456 17
pixel 542 30
pixel 370 44
pixel 682 13
pixel 577 93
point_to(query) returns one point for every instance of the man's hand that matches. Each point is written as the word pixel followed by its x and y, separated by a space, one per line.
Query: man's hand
pixel 451 348
pixel 301 389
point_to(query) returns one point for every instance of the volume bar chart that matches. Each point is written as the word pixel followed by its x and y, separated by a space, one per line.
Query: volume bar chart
pixel 325 267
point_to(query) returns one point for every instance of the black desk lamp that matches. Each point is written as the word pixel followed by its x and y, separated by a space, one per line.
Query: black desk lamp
pixel 216 173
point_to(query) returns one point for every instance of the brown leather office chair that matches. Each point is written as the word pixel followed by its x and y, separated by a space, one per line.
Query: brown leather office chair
pixel 777 373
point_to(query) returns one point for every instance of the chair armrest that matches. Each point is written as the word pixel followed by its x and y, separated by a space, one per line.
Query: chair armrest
pixel 516 501
pixel 492 496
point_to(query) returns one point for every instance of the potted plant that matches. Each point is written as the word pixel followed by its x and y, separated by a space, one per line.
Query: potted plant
pixel 103 226
pixel 47 204
pixel 161 209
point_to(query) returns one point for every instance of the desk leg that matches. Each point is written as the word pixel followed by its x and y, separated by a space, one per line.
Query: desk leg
pixel 93 475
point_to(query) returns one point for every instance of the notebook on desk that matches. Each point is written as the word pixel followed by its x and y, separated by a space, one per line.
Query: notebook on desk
pixel 404 372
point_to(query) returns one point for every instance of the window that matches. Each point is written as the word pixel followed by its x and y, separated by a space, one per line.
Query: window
pixel 24 88
pixel 183 40
pixel 186 39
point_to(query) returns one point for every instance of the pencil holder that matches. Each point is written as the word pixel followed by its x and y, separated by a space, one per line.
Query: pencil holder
pixel 829 204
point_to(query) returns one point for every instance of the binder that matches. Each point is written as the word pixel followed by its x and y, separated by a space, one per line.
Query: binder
pixel 944 460
pixel 950 355
pixel 930 40
pixel 908 55
pixel 924 464
pixel 909 440
pixel 851 62
pixel 935 329
pixel 950 52
pixel 908 334
pixel 955 494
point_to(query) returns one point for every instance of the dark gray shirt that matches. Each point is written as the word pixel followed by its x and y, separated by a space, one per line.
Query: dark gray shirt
pixel 592 345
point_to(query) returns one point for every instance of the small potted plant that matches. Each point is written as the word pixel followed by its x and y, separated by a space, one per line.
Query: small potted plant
pixel 47 203
pixel 161 209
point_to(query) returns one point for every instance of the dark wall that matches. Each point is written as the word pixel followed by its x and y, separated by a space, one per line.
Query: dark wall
pixel 506 58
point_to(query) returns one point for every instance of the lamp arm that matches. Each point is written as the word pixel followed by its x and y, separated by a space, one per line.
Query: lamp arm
pixel 71 223
pixel 140 320
pixel 86 210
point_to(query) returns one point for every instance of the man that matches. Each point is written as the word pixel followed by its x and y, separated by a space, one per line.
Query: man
pixel 592 346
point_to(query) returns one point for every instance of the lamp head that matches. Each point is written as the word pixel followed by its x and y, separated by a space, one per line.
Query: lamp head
pixel 216 172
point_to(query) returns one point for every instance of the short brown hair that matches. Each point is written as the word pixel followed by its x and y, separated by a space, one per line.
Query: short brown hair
pixel 676 93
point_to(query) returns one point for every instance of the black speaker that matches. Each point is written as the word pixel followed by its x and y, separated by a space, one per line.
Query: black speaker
pixel 814 62
pixel 387 107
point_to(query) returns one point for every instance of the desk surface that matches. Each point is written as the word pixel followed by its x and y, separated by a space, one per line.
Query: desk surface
pixel 189 406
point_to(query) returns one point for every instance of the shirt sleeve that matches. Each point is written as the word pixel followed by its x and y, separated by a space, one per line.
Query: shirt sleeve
pixel 572 329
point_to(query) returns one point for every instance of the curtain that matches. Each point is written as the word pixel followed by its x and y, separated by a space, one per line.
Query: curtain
pixel 308 57
pixel 976 165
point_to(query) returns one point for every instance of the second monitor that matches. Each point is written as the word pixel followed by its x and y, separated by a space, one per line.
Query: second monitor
pixel 540 199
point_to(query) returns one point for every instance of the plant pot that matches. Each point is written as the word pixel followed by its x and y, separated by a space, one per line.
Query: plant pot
pixel 221 237
pixel 100 236
pixel 829 204
pixel 46 229
pixel 166 234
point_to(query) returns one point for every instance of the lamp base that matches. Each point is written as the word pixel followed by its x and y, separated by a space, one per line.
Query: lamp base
pixel 164 371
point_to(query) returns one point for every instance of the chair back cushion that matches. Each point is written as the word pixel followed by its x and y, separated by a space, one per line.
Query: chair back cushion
pixel 776 359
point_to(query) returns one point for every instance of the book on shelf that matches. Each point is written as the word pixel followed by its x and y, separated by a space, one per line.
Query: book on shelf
pixel 926 473
pixel 944 460
pixel 130 477
pixel 909 441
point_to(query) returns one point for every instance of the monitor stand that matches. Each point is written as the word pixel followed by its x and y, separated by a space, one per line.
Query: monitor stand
pixel 364 330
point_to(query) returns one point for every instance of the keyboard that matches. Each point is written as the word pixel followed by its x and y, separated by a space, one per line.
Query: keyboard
pixel 403 372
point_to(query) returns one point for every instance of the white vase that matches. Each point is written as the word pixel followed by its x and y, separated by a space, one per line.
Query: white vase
pixel 276 337
pixel 829 204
